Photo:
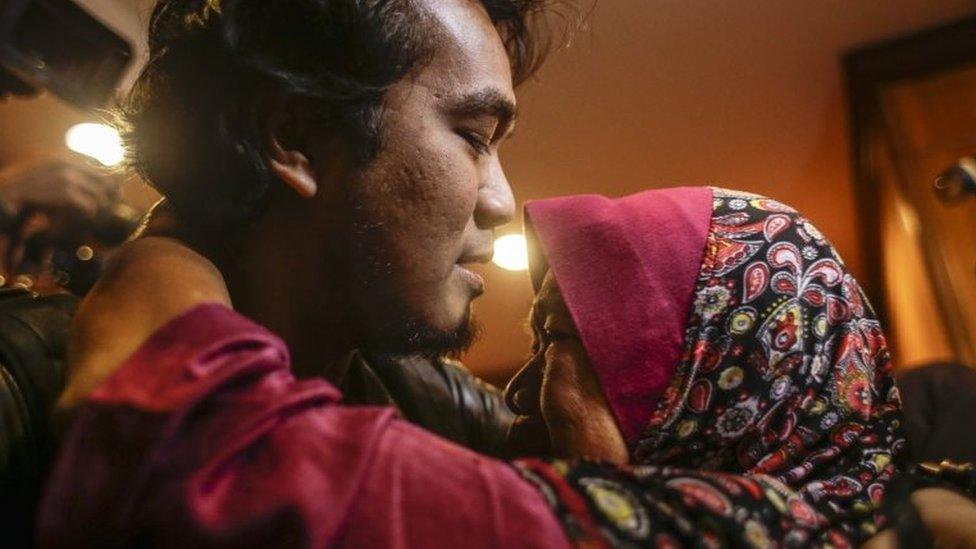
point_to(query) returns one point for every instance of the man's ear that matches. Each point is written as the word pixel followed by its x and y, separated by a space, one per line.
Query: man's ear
pixel 286 138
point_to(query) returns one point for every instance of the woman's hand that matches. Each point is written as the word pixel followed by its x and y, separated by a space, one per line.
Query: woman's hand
pixel 950 518
pixel 148 282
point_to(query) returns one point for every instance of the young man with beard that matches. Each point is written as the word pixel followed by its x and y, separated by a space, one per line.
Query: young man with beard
pixel 330 169
pixel 337 164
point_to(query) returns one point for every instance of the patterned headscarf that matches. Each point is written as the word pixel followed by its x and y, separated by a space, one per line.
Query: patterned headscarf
pixel 779 386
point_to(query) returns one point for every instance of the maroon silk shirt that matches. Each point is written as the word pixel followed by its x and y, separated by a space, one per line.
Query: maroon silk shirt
pixel 204 438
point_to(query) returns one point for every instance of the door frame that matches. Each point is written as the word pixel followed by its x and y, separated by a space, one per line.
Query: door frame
pixel 868 70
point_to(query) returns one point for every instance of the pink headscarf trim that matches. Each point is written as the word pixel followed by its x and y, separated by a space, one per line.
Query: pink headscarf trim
pixel 627 269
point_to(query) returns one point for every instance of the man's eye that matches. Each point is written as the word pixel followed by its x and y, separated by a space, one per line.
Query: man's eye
pixel 477 142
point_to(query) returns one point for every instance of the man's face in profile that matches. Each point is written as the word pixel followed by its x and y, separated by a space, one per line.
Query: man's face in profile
pixel 426 206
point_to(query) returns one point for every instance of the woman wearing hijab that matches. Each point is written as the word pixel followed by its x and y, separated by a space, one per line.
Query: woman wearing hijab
pixel 715 340
pixel 202 437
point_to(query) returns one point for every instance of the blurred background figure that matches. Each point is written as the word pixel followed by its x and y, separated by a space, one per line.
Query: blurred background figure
pixel 59 217
pixel 59 221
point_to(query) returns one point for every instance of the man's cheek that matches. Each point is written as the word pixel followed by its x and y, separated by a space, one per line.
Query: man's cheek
pixel 452 181
pixel 436 200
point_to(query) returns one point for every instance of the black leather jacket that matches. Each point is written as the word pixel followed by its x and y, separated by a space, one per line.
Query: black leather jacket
pixel 440 395
pixel 33 335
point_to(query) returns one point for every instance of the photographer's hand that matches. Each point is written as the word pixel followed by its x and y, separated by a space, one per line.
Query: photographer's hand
pixel 61 189
pixel 148 282
pixel 50 202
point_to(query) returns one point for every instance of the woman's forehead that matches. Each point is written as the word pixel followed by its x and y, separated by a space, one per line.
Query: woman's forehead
pixel 548 294
pixel 549 302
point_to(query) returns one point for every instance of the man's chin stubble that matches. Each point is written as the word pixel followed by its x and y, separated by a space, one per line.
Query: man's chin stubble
pixel 415 337
pixel 384 323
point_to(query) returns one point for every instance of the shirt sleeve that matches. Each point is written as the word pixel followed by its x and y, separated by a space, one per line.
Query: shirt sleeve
pixel 204 438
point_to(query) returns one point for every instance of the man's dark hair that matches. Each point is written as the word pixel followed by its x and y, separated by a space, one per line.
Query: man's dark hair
pixel 194 123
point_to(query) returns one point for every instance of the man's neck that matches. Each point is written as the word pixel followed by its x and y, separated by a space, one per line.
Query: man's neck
pixel 274 280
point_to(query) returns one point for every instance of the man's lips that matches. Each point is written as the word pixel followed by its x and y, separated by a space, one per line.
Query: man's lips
pixel 472 278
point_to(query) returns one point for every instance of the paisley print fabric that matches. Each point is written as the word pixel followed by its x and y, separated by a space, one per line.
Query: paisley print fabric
pixel 781 425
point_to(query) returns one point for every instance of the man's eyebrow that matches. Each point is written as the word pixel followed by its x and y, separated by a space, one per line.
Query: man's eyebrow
pixel 488 101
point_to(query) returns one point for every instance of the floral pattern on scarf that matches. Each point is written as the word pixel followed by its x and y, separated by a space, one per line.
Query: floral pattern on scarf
pixel 781 426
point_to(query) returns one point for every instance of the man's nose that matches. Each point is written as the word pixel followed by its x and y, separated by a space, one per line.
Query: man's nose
pixel 496 205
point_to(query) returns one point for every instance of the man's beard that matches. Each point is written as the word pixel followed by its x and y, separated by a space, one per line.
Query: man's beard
pixel 405 334
pixel 381 322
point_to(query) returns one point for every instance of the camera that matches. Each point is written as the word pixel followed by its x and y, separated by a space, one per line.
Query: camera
pixel 58 46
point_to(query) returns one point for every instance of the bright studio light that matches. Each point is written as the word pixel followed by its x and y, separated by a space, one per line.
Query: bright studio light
pixel 98 141
pixel 511 253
